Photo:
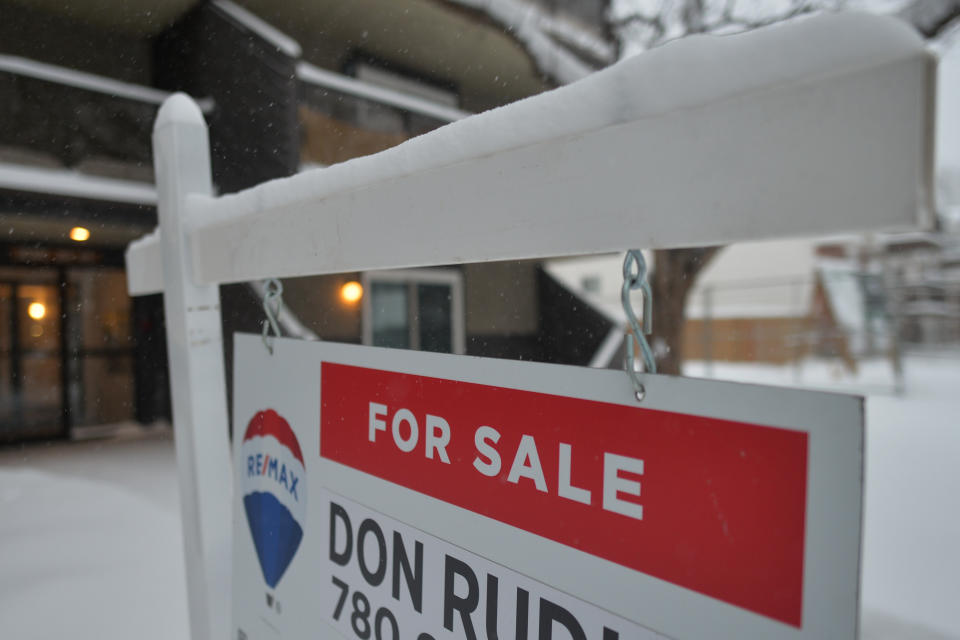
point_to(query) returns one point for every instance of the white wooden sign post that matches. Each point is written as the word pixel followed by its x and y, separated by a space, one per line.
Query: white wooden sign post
pixel 821 126
pixel 197 378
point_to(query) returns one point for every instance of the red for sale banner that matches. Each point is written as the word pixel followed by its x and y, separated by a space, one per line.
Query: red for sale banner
pixel 710 505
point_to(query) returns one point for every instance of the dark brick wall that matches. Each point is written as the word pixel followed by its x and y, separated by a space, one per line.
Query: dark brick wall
pixel 254 134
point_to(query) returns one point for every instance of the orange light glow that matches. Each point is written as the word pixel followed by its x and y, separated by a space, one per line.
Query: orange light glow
pixel 37 310
pixel 351 292
pixel 79 234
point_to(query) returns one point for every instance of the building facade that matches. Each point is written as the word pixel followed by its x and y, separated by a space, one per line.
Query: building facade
pixel 284 87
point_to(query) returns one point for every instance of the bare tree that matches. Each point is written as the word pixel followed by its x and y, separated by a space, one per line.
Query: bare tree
pixel 674 272
pixel 643 24
pixel 931 18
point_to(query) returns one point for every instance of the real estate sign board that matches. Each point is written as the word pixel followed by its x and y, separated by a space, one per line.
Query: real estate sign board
pixel 395 495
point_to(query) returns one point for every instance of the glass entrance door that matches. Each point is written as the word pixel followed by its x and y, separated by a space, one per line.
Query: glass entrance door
pixel 31 391
pixel 100 348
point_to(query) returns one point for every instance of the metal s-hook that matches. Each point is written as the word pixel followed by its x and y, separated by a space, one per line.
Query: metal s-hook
pixel 272 299
pixel 635 277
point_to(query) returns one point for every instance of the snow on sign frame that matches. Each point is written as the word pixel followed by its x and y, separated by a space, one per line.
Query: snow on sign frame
pixel 393 494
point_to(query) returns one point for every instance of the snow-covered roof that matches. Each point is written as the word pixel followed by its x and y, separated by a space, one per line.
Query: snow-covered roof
pixel 76 185
pixel 771 279
pixel 604 273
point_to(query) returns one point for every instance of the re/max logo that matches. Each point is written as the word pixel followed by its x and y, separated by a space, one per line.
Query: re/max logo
pixel 264 465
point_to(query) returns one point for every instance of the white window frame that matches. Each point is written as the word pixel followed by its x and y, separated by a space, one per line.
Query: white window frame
pixel 412 277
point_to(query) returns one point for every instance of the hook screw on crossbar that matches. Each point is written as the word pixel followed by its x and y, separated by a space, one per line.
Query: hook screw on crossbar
pixel 272 299
pixel 635 277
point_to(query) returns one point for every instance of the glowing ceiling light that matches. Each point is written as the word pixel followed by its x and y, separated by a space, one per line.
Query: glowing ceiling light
pixel 80 234
pixel 351 292
pixel 37 310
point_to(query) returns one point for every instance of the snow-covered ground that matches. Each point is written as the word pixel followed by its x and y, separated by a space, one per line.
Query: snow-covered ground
pixel 90 541
pixel 90 537
pixel 911 546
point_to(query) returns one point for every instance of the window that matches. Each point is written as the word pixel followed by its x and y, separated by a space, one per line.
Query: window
pixel 414 309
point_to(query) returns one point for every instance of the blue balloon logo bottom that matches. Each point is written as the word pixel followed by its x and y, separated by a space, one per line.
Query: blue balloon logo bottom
pixel 274 492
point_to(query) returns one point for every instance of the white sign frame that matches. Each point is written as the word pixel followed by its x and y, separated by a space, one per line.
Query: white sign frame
pixel 854 116
pixel 289 382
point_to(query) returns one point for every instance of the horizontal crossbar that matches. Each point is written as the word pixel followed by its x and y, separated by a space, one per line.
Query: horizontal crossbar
pixel 816 127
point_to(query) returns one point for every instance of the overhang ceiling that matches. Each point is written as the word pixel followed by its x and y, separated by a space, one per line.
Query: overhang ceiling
pixel 140 18
pixel 432 38
pixel 441 41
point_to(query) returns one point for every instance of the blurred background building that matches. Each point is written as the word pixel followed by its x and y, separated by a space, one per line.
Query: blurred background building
pixel 291 86
pixel 284 87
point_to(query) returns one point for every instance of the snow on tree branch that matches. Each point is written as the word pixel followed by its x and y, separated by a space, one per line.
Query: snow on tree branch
pixel 643 24
pixel 931 17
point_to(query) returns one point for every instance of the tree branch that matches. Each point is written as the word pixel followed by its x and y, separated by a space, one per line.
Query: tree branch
pixel 931 17
pixel 693 19
pixel 729 19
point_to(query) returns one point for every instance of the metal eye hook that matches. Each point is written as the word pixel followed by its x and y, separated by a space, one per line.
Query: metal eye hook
pixel 635 277
pixel 272 299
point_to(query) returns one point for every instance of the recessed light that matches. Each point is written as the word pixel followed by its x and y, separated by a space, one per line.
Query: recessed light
pixel 351 292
